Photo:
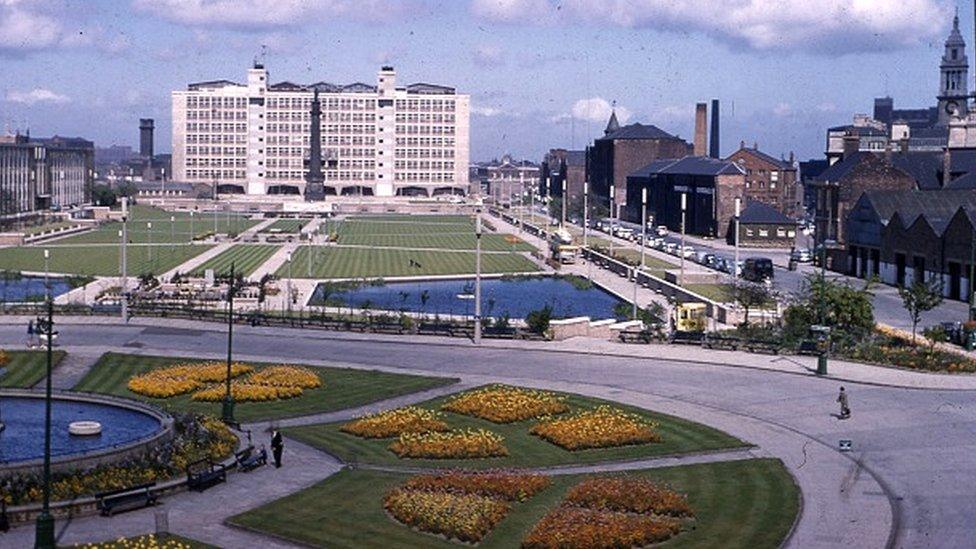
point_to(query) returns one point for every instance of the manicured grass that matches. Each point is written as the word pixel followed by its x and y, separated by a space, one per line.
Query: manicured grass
pixel 748 504
pixel 333 262
pixel 525 450
pixel 163 230
pixel 245 257
pixel 98 259
pixel 163 541
pixel 291 226
pixel 634 256
pixel 716 292
pixel 341 388
pixel 458 241
pixel 26 368
pixel 406 225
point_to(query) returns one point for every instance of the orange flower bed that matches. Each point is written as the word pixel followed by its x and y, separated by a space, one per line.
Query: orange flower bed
pixel 245 391
pixel 628 494
pixel 182 378
pixel 286 376
pixel 504 404
pixel 464 517
pixel 509 486
pixel 393 423
pixel 603 427
pixel 456 444
pixel 578 528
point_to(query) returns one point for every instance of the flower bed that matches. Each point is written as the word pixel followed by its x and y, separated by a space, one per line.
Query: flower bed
pixel 602 427
pixel 464 517
pixel 628 494
pixel 207 382
pixel 196 438
pixel 245 391
pixel 504 404
pixel 579 528
pixel 183 378
pixel 510 486
pixel 456 444
pixel 286 376
pixel 393 423
pixel 149 541
pixel 888 347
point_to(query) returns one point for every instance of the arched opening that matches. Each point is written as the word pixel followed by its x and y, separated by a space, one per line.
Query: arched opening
pixel 230 188
pixel 283 189
pixel 447 191
pixel 330 191
pixel 357 190
pixel 412 191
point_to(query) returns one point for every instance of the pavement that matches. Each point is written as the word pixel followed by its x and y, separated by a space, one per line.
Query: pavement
pixel 907 483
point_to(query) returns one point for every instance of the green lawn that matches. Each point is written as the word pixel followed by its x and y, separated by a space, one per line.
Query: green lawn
pixel 333 262
pixel 341 388
pixel 653 263
pixel 163 230
pixel 459 241
pixel 525 450
pixel 716 292
pixel 98 260
pixel 291 226
pixel 245 257
pixel 406 226
pixel 747 504
pixel 163 541
pixel 406 218
pixel 26 368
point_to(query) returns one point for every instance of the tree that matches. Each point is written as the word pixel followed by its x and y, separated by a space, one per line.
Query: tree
pixel 919 298
pixel 538 320
pixel 847 310
pixel 749 295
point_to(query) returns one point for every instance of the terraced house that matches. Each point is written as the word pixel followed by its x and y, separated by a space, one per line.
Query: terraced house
pixel 377 140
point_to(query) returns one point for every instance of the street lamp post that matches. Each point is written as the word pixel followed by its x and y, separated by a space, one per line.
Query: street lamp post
pixel 172 229
pixel 191 227
pixel 149 228
pixel 47 283
pixel 565 197
pixel 611 220
pixel 520 200
pixel 477 278
pixel 586 211
pixel 681 253
pixel 228 407
pixel 44 530
pixel 738 210
pixel 124 235
pixel 288 292
pixel 643 224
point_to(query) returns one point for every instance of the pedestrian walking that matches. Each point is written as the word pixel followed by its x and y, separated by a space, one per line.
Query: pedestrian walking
pixel 277 445
pixel 845 409
pixel 30 334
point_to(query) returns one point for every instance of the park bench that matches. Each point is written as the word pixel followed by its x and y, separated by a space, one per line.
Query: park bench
pixel 499 332
pixel 125 499
pixel 690 338
pixel 248 460
pixel 203 474
pixel 429 328
pixel 712 341
pixel 635 336
pixel 387 327
pixel 763 346
pixel 808 347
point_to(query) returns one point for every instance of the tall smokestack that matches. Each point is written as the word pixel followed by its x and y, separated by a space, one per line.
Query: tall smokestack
pixel 701 129
pixel 314 179
pixel 146 127
pixel 714 143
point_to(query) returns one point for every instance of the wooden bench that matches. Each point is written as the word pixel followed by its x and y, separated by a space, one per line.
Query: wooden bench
pixel 125 499
pixel 712 341
pixel 499 333
pixel 249 460
pixel 642 336
pixel 204 474
pixel 762 346
pixel 808 347
pixel 387 328
pixel 690 338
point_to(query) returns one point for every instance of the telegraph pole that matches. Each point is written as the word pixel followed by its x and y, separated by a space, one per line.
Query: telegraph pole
pixel 125 245
pixel 228 408
pixel 44 529
pixel 611 220
pixel 681 254
pixel 565 197
pixel 477 278
pixel 738 208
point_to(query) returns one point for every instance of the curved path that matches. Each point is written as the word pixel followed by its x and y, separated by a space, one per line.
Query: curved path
pixel 908 482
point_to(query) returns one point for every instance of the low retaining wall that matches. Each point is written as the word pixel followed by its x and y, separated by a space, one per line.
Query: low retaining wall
pixel 582 326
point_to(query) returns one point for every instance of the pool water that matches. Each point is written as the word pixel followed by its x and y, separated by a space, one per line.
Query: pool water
pixel 29 288
pixel 23 437
pixel 515 298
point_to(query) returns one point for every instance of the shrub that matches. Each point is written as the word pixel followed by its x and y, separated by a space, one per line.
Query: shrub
pixel 538 320
pixel 602 427
pixel 504 404
pixel 393 423
pixel 456 444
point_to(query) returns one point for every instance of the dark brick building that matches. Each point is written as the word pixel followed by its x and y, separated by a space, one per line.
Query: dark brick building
pixel 563 165
pixel 624 150
pixel 770 180
pixel 763 226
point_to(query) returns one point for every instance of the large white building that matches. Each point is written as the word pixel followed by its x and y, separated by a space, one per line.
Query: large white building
pixel 381 140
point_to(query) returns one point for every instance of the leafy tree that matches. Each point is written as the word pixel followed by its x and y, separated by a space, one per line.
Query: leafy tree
pixel 935 335
pixel 103 195
pixel 749 295
pixel 920 297
pixel 538 320
pixel 847 310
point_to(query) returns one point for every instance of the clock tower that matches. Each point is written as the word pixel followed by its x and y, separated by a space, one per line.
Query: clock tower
pixel 953 95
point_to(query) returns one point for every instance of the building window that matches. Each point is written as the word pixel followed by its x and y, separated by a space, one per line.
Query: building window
pixel 749 232
pixel 780 232
pixel 763 232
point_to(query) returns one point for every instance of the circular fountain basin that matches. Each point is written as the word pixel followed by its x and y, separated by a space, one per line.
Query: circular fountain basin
pixel 122 427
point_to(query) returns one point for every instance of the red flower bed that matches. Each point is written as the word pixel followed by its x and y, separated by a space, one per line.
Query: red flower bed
pixel 494 484
pixel 629 494
pixel 578 528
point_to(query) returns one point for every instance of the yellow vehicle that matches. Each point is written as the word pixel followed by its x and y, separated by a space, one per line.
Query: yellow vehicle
pixel 690 317
pixel 562 248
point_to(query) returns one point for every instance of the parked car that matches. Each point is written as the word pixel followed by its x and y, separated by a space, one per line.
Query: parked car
pixel 670 247
pixel 758 269
pixel 687 251
pixel 802 256
pixel 662 230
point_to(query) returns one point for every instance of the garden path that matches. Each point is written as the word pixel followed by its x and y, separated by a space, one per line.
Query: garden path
pixel 71 369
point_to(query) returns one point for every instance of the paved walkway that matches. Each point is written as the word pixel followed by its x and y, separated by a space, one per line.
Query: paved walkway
pixel 191 264
pixel 72 369
pixel 271 266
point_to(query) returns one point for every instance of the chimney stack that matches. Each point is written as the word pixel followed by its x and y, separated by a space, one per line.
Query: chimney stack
pixel 701 129
pixel 715 142
pixel 146 127
pixel 852 144
pixel 946 168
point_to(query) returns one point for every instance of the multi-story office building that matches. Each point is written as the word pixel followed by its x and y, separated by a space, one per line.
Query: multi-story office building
pixel 37 175
pixel 382 140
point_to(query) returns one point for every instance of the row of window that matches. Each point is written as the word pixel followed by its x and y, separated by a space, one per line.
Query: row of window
pixel 425 153
pixel 220 175
pixel 423 165
pixel 207 139
pixel 330 175
pixel 326 116
pixel 424 141
pixel 304 140
pixel 351 163
pixel 327 103
pixel 192 150
pixel 208 127
pixel 781 232
pixel 327 128
pixel 414 176
pixel 219 115
pixel 425 130
pixel 403 118
pixel 216 162
pixel 207 101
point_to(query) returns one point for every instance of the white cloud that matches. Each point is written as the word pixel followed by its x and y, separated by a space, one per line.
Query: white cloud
pixel 37 95
pixel 488 56
pixel 485 111
pixel 598 109
pixel 23 29
pixel 783 109
pixel 822 27
pixel 30 26
pixel 264 14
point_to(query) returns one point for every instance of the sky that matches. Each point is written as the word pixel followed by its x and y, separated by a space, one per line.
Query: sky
pixel 541 73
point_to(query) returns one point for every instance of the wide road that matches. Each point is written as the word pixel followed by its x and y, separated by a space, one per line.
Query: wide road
pixel 915 450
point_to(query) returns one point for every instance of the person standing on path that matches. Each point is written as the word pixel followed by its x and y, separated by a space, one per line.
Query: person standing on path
pixel 277 445
pixel 845 409
pixel 30 334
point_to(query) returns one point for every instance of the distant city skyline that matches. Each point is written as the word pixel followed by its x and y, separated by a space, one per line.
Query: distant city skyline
pixel 541 73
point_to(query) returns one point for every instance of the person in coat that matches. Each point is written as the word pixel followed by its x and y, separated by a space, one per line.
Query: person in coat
pixel 845 409
pixel 277 445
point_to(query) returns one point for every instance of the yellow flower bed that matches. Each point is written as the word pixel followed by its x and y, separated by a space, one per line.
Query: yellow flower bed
pixel 286 376
pixel 504 404
pixel 602 427
pixel 391 423
pixel 142 542
pixel 456 444
pixel 464 517
pixel 245 391
pixel 183 378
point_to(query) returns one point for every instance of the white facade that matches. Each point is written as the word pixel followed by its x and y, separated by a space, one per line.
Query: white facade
pixel 381 140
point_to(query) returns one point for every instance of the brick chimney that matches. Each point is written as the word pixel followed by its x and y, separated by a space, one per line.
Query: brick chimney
pixel 852 144
pixel 701 129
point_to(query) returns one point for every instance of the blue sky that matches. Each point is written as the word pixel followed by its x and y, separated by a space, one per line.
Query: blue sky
pixel 541 73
